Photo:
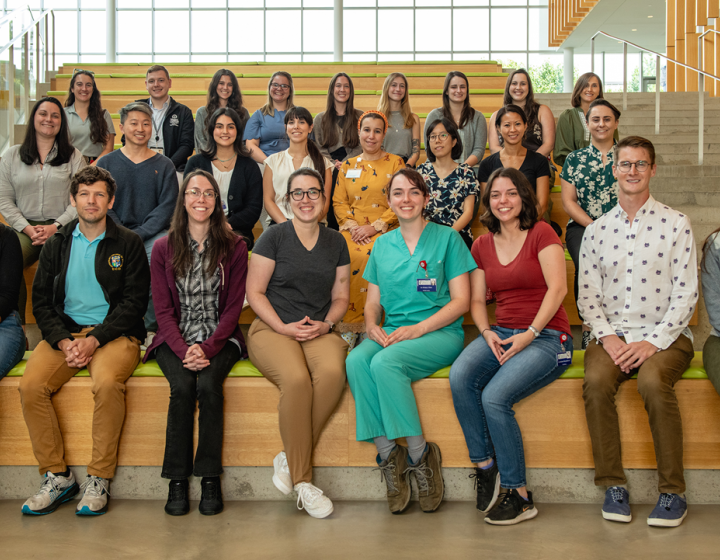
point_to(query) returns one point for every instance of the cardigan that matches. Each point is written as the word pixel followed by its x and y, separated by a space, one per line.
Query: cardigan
pixel 233 270
pixel 245 195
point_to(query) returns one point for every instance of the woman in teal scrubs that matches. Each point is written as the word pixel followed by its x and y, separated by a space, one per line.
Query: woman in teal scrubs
pixel 418 276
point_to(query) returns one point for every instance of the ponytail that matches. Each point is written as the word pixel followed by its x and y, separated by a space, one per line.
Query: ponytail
pixel 317 158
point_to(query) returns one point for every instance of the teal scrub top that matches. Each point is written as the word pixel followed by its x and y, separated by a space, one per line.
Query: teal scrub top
pixel 396 272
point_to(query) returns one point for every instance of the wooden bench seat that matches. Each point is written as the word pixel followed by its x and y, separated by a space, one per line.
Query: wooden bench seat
pixel 552 420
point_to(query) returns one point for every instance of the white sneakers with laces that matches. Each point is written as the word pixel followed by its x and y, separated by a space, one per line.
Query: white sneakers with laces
pixel 54 490
pixel 282 479
pixel 312 499
pixel 95 496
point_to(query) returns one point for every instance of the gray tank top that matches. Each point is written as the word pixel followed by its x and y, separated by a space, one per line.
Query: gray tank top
pixel 398 139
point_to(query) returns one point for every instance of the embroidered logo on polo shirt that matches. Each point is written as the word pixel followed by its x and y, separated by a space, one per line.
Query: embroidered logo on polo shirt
pixel 115 261
pixel 174 121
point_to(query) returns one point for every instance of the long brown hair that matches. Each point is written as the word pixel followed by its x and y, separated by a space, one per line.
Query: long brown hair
pixel 99 130
pixel 405 110
pixel 468 113
pixel 581 84
pixel 235 100
pixel 532 107
pixel 221 241
pixel 302 114
pixel 350 137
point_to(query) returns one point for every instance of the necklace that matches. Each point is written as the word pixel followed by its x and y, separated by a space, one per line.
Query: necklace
pixel 224 160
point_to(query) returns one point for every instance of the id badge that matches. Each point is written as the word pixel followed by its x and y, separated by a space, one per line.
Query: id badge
pixel 564 358
pixel 353 173
pixel 426 285
pixel 157 150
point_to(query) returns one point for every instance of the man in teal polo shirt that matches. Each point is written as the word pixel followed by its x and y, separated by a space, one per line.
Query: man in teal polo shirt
pixel 89 296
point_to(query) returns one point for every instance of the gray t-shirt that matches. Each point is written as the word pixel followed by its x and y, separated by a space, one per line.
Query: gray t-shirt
pixel 301 284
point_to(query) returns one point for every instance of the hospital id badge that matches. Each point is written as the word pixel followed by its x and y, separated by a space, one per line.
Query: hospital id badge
pixel 353 173
pixel 564 358
pixel 426 285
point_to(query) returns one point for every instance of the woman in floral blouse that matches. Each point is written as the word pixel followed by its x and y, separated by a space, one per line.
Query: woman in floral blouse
pixel 453 186
pixel 589 188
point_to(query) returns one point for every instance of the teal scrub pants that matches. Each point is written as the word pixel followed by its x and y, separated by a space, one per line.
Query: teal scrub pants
pixel 380 381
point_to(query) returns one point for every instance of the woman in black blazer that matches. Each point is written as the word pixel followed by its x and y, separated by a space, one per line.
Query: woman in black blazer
pixel 239 178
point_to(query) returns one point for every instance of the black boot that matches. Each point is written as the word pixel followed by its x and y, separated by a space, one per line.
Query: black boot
pixel 211 502
pixel 178 502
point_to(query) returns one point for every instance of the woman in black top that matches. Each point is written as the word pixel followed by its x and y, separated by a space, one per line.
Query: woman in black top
pixel 12 336
pixel 511 124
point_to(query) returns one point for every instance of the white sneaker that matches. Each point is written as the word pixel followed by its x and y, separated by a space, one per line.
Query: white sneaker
pixel 54 490
pixel 95 497
pixel 282 479
pixel 312 499
pixel 148 341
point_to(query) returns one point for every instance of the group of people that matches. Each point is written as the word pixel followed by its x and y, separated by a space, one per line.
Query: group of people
pixel 398 275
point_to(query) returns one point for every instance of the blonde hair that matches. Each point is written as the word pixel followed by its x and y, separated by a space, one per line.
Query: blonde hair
pixel 405 110
pixel 269 109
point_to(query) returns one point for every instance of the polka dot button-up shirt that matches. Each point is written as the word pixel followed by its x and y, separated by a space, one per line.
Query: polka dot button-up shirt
pixel 639 279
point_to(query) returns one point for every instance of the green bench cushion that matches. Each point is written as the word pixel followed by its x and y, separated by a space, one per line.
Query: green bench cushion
pixel 245 368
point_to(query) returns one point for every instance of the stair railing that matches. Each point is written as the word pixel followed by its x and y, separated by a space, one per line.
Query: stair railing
pixel 658 56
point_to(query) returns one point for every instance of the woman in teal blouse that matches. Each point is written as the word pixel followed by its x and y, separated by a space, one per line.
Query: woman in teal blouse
pixel 418 276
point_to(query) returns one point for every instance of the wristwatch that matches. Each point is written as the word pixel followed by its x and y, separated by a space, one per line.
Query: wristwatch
pixel 332 325
pixel 535 332
pixel 57 224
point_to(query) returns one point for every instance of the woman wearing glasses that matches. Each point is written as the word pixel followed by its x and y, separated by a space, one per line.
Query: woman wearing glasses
pixel 198 285
pixel 224 91
pixel 362 210
pixel 589 188
pixel 265 131
pixel 335 130
pixel 470 123
pixel 453 186
pixel 298 286
pixel 238 177
pixel 278 167
pixel 90 126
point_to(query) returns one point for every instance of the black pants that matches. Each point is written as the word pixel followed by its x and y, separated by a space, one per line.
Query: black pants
pixel 339 155
pixel 187 387
pixel 573 240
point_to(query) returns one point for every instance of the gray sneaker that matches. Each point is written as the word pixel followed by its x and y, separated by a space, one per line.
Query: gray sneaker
pixel 54 490
pixel 393 470
pixel 95 496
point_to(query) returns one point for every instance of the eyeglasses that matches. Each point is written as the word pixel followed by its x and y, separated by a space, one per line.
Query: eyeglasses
pixel 196 193
pixel 441 136
pixel 626 166
pixel 312 194
pixel 279 86
pixel 78 70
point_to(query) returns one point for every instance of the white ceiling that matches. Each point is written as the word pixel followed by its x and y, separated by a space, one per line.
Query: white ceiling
pixel 620 18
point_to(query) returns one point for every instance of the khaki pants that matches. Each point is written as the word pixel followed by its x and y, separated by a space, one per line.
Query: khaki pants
pixel 47 371
pixel 656 380
pixel 311 379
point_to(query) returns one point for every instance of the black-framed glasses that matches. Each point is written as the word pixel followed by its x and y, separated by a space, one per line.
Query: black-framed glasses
pixel 626 166
pixel 197 193
pixel 279 86
pixel 312 194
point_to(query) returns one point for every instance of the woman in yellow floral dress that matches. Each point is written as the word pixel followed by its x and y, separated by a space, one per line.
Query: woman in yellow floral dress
pixel 362 210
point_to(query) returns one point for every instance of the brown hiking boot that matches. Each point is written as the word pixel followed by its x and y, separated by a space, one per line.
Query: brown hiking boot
pixel 428 475
pixel 398 483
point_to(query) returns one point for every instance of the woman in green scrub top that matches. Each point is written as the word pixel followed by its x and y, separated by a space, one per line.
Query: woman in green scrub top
pixel 418 276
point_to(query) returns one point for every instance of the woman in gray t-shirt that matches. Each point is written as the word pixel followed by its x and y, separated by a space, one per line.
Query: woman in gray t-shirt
pixel 299 286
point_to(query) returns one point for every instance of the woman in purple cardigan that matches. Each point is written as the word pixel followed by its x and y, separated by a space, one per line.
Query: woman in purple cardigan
pixel 198 285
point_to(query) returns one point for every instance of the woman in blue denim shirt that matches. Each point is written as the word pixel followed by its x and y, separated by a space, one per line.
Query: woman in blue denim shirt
pixel 522 261
pixel 12 336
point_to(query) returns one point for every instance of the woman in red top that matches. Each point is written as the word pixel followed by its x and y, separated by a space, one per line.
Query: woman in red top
pixel 522 261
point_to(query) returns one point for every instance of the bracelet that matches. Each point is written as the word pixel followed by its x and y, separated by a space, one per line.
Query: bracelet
pixel 482 331
pixel 535 332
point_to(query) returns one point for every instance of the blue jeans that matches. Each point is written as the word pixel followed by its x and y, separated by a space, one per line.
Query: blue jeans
pixel 150 320
pixel 12 342
pixel 484 393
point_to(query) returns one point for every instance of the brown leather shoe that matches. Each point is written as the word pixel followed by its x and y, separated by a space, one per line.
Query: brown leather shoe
pixel 397 480
pixel 429 479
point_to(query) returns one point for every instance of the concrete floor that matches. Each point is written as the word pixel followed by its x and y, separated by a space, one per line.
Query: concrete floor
pixel 140 530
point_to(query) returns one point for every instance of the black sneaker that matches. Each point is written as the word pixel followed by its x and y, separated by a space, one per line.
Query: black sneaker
pixel 178 502
pixel 487 484
pixel 511 509
pixel 211 502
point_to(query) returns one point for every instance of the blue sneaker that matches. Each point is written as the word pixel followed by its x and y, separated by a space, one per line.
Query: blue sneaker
pixel 617 505
pixel 670 511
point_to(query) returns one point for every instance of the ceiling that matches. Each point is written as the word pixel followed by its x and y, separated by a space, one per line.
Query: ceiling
pixel 626 19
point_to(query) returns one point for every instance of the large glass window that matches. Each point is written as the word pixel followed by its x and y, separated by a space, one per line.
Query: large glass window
pixel 510 31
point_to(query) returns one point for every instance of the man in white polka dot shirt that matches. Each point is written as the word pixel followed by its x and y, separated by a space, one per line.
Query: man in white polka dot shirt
pixel 638 290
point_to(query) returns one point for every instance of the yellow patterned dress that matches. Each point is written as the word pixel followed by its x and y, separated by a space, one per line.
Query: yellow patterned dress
pixel 362 201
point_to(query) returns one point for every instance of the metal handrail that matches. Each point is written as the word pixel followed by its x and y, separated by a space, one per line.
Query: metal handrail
pixel 701 80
